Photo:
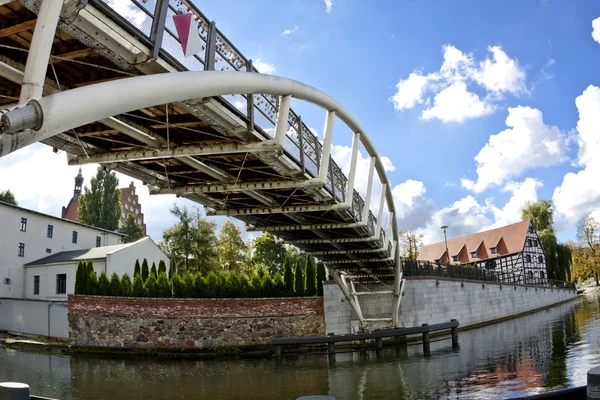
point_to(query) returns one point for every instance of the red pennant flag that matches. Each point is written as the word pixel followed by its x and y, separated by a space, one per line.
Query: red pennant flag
pixel 188 34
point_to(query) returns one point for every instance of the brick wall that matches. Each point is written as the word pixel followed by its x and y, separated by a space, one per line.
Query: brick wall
pixel 129 322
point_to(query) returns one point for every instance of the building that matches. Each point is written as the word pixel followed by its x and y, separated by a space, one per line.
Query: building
pixel 71 211
pixel 27 235
pixel 513 251
pixel 53 277
pixel 131 206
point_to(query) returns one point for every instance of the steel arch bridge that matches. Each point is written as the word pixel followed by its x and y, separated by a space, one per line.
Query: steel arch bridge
pixel 110 86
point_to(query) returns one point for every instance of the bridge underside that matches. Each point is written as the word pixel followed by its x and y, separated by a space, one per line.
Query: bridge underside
pixel 221 152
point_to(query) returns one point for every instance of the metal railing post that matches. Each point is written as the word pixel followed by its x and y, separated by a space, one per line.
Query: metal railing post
pixel 250 101
pixel 158 27
pixel 211 47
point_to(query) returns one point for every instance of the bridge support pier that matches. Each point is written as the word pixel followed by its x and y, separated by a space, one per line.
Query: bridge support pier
pixel 341 281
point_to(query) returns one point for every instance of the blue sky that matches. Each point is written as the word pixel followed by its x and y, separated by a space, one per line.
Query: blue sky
pixel 473 102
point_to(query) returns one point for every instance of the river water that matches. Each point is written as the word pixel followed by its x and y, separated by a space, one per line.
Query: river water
pixel 548 350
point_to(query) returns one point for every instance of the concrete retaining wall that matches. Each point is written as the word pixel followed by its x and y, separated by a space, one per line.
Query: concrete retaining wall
pixel 430 300
pixel 35 317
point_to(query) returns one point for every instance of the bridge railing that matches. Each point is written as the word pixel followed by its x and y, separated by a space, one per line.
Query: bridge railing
pixel 426 268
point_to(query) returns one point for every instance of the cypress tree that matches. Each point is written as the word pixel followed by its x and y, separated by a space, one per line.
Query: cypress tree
pixel 126 289
pixel 145 270
pixel 153 270
pixel 178 287
pixel 257 289
pixel 79 279
pixel 171 269
pixel 138 286
pixel 267 286
pixel 152 286
pixel 164 286
pixel 212 285
pixel 199 285
pixel 136 269
pixel 162 267
pixel 311 278
pixel 103 285
pixel 321 277
pixel 299 282
pixel 280 289
pixel 91 284
pixel 115 285
pixel 243 286
pixel 188 283
pixel 288 276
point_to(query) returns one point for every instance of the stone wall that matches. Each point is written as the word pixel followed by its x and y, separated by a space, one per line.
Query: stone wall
pixel 129 322
pixel 430 300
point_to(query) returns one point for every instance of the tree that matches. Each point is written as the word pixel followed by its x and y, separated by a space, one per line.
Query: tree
pixel 162 267
pixel 540 213
pixel 270 252
pixel 588 235
pixel 152 286
pixel 410 243
pixel 136 269
pixel 91 283
pixel 311 277
pixel 191 243
pixel 564 259
pixel 138 286
pixel 299 275
pixel 164 286
pixel 321 277
pixel 232 251
pixel 126 289
pixel 548 241
pixel 115 285
pixel 288 277
pixel 103 285
pixel 8 197
pixel 80 278
pixel 131 228
pixel 145 271
pixel 153 270
pixel 100 205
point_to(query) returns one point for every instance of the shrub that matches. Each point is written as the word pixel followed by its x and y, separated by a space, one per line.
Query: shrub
pixel 171 268
pixel 145 271
pixel 153 270
pixel 115 285
pixel 188 284
pixel 288 277
pixel 226 285
pixel 239 286
pixel 91 284
pixel 152 286
pixel 103 285
pixel 279 286
pixel 299 281
pixel 162 267
pixel 80 278
pixel 212 285
pixel 178 287
pixel 267 286
pixel 136 269
pixel 138 286
pixel 199 286
pixel 321 277
pixel 164 286
pixel 311 278
pixel 257 289
pixel 126 289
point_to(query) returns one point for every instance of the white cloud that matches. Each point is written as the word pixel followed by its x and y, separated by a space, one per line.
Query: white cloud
pixel 240 105
pixel 527 143
pixel 453 101
pixel 456 104
pixel 289 31
pixel 502 74
pixel 579 193
pixel 328 5
pixel 596 29
pixel 129 10
pixel 522 193
pixel 413 209
pixel 263 67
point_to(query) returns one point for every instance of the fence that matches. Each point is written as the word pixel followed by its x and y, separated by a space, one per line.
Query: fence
pixel 426 268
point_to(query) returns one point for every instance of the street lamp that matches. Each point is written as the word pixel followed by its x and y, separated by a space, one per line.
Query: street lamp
pixel 446 241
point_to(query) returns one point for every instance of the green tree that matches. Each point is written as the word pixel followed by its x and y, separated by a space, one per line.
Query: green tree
pixel 153 270
pixel 115 285
pixel 131 228
pixel 268 287
pixel 321 277
pixel 300 281
pixel 138 286
pixel 588 236
pixel 100 205
pixel 410 243
pixel 191 243
pixel 257 289
pixel 279 286
pixel 269 252
pixel 80 278
pixel 199 286
pixel 564 259
pixel 179 289
pixel 152 286
pixel 136 269
pixel 164 286
pixel 103 285
pixel 188 283
pixel 162 267
pixel 311 277
pixel 212 285
pixel 540 214
pixel 126 288
pixel 145 270
pixel 288 277
pixel 91 283
pixel 232 250
pixel 8 197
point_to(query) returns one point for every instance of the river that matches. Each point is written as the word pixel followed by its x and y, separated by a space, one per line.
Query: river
pixel 547 350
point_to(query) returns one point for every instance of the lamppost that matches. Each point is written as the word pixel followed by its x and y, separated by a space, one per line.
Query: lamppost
pixel 446 241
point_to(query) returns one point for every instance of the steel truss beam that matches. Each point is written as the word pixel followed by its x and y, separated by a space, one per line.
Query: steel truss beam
pixel 224 188
pixel 279 210
pixel 332 241
pixel 178 151
pixel 278 228
pixel 355 251
pixel 360 261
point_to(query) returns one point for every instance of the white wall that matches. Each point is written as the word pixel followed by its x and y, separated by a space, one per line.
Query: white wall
pixel 36 242
pixel 123 260
pixel 425 302
pixel 47 274
pixel 31 316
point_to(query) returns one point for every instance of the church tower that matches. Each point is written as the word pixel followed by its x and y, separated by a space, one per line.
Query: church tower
pixel 71 211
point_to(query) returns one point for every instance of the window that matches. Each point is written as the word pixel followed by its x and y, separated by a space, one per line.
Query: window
pixel 542 275
pixel 535 243
pixel 530 274
pixel 455 258
pixel 50 231
pixel 48 250
pixel 528 258
pixel 474 254
pixel 529 242
pixel 23 224
pixel 21 249
pixel 36 284
pixel 540 259
pixel 494 250
pixel 98 241
pixel 61 283
pixel 74 240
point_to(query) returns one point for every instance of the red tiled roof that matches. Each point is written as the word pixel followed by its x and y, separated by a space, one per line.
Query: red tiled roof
pixel 509 239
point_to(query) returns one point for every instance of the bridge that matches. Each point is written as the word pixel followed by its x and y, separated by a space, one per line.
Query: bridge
pixel 106 82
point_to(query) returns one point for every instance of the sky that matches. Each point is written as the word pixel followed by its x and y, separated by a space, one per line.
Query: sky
pixel 477 107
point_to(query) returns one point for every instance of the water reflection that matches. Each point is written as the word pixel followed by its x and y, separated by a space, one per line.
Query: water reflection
pixel 547 350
